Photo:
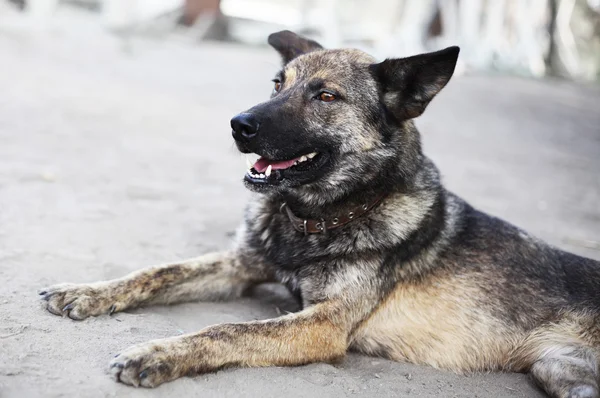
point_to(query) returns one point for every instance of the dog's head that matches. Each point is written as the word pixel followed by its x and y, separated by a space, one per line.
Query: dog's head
pixel 337 118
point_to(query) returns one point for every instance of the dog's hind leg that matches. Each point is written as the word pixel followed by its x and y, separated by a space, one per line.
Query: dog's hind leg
pixel 561 357
pixel 567 371
pixel 209 277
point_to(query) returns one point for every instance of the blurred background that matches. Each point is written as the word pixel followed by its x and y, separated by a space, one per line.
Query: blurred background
pixel 526 37
pixel 116 154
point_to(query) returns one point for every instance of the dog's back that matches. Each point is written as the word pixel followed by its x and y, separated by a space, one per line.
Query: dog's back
pixel 582 280
pixel 525 270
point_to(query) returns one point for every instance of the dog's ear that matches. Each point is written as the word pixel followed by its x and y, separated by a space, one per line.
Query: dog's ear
pixel 409 84
pixel 290 45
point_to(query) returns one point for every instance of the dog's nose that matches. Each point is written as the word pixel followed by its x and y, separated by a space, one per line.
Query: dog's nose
pixel 244 126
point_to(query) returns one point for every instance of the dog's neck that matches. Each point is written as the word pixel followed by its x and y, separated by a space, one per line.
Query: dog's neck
pixel 426 179
pixel 353 205
pixel 368 194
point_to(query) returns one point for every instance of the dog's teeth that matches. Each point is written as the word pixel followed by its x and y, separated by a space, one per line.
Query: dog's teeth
pixel 268 172
pixel 303 158
pixel 311 155
pixel 262 175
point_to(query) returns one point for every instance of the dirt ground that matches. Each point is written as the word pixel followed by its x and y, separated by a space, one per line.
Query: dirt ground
pixel 115 156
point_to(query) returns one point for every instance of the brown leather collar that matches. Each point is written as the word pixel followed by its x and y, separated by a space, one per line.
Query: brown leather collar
pixel 321 226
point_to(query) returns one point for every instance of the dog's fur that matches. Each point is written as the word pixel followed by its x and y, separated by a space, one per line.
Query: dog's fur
pixel 422 277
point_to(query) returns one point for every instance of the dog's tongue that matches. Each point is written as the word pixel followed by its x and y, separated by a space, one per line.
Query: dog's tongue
pixel 262 164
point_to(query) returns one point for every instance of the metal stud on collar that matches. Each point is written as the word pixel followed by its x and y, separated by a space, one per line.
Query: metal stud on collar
pixel 322 226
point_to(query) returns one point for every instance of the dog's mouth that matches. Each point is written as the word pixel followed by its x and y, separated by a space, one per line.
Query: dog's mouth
pixel 269 171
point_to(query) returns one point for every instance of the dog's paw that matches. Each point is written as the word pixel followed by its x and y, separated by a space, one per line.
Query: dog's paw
pixel 583 391
pixel 147 365
pixel 79 301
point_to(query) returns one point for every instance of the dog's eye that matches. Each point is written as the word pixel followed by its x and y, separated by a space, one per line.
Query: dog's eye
pixel 277 86
pixel 326 97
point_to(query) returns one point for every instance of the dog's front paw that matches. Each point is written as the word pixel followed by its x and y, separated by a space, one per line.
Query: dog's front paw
pixel 79 301
pixel 149 364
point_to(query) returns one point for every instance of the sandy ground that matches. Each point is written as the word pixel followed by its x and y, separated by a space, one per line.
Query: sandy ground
pixel 117 157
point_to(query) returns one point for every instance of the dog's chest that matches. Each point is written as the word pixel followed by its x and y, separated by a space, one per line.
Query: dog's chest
pixel 309 284
pixel 284 247
pixel 292 282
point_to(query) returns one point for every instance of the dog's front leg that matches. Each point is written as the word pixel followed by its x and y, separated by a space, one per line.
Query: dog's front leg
pixel 318 333
pixel 212 276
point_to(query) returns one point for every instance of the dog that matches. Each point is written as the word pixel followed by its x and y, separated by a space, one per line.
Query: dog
pixel 352 218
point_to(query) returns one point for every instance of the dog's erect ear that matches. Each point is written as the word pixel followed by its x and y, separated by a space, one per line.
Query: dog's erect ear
pixel 290 45
pixel 409 84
